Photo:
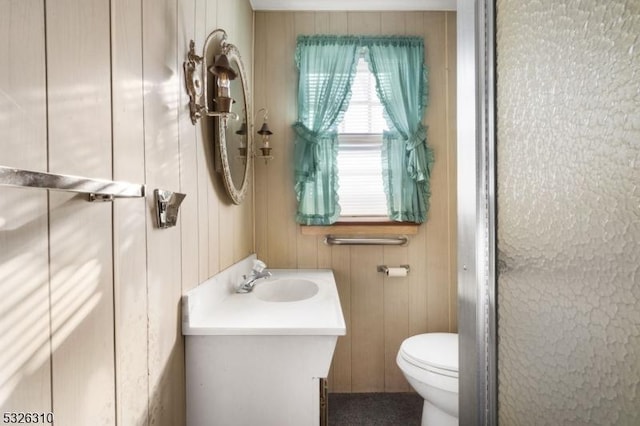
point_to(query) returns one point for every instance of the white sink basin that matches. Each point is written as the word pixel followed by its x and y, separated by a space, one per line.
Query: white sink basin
pixel 285 290
pixel 284 332
pixel 301 302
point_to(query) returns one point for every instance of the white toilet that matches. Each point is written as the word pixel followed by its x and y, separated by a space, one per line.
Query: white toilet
pixel 430 364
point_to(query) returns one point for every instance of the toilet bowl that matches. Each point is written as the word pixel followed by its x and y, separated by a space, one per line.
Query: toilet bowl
pixel 429 362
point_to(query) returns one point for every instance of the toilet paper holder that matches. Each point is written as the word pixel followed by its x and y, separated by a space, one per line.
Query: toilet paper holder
pixel 385 269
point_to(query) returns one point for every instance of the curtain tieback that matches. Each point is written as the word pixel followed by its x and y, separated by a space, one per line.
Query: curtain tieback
pixel 305 133
pixel 312 139
pixel 306 164
pixel 415 169
pixel 417 138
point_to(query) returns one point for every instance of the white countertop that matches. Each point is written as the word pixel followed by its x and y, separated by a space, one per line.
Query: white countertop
pixel 213 308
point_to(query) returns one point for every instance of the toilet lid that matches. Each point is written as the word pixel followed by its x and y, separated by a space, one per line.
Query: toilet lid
pixel 432 350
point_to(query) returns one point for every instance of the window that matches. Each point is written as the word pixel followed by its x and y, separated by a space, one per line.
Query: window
pixel 327 70
pixel 361 188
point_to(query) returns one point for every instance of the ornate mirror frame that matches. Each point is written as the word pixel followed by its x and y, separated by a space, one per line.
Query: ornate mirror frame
pixel 197 80
pixel 237 194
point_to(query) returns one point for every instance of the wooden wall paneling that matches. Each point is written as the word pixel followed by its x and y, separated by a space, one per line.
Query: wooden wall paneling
pixel 379 318
pixel 22 79
pixel 228 221
pixel 79 123
pixel 261 93
pixel 230 232
pixel 227 17
pixel 244 31
pixel 214 186
pixel 228 227
pixel 282 105
pixel 417 282
pixel 129 215
pixel 188 154
pixel 246 240
pixel 304 23
pixel 324 253
pixel 414 23
pixel 238 17
pixel 452 171
pixel 367 292
pixel 211 14
pixel 245 36
pixel 290 116
pixel 437 225
pixel 307 252
pixel 200 33
pixel 338 23
pixel 25 375
pixel 340 375
pixel 364 23
pixel 166 349
pixel 80 244
pixel 324 257
pixel 367 321
pixel 228 240
pixel 392 23
pixel 322 22
pixel 307 247
pixel 396 317
pixel 231 226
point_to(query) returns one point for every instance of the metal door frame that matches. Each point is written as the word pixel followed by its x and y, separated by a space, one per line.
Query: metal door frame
pixel 476 212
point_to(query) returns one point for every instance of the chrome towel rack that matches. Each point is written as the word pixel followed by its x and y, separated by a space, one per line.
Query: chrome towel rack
pixel 97 189
pixel 333 240
pixel 167 202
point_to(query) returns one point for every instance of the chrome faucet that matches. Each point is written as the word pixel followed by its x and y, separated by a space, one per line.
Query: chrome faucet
pixel 257 273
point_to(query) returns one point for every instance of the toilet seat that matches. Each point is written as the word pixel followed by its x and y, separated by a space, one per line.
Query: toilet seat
pixel 429 362
pixel 433 352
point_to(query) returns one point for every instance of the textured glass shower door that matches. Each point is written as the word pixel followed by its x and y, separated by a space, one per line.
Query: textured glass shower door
pixel 568 198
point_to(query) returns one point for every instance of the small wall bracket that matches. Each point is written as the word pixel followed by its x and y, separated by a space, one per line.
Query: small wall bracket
pixel 167 207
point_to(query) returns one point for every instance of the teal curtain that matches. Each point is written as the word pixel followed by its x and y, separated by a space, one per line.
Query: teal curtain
pixel 327 66
pixel 401 83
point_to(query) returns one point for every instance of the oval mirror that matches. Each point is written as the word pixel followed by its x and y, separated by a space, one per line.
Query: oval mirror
pixel 233 133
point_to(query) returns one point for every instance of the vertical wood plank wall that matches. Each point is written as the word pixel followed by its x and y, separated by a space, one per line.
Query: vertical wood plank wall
pixel 380 312
pixel 90 325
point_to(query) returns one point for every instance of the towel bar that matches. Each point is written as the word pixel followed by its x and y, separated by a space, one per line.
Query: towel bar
pixel 359 241
pixel 97 189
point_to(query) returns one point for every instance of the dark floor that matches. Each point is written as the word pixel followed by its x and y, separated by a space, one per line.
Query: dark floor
pixel 375 409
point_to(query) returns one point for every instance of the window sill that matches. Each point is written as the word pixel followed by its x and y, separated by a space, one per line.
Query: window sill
pixel 362 228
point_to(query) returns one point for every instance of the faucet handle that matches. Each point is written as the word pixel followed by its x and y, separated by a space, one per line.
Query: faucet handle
pixel 259 266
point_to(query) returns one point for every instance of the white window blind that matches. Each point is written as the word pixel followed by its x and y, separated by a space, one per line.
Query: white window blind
pixel 361 190
pixel 364 114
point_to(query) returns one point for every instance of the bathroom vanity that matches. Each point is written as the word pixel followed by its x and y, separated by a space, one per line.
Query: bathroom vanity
pixel 258 357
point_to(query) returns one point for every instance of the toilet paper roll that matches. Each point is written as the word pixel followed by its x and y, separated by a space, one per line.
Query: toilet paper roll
pixel 396 272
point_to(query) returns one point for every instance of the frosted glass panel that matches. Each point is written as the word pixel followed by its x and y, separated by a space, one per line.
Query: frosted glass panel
pixel 569 212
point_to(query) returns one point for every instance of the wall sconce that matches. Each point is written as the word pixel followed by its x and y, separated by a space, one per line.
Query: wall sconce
pixel 242 133
pixel 196 82
pixel 265 132
pixel 224 74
